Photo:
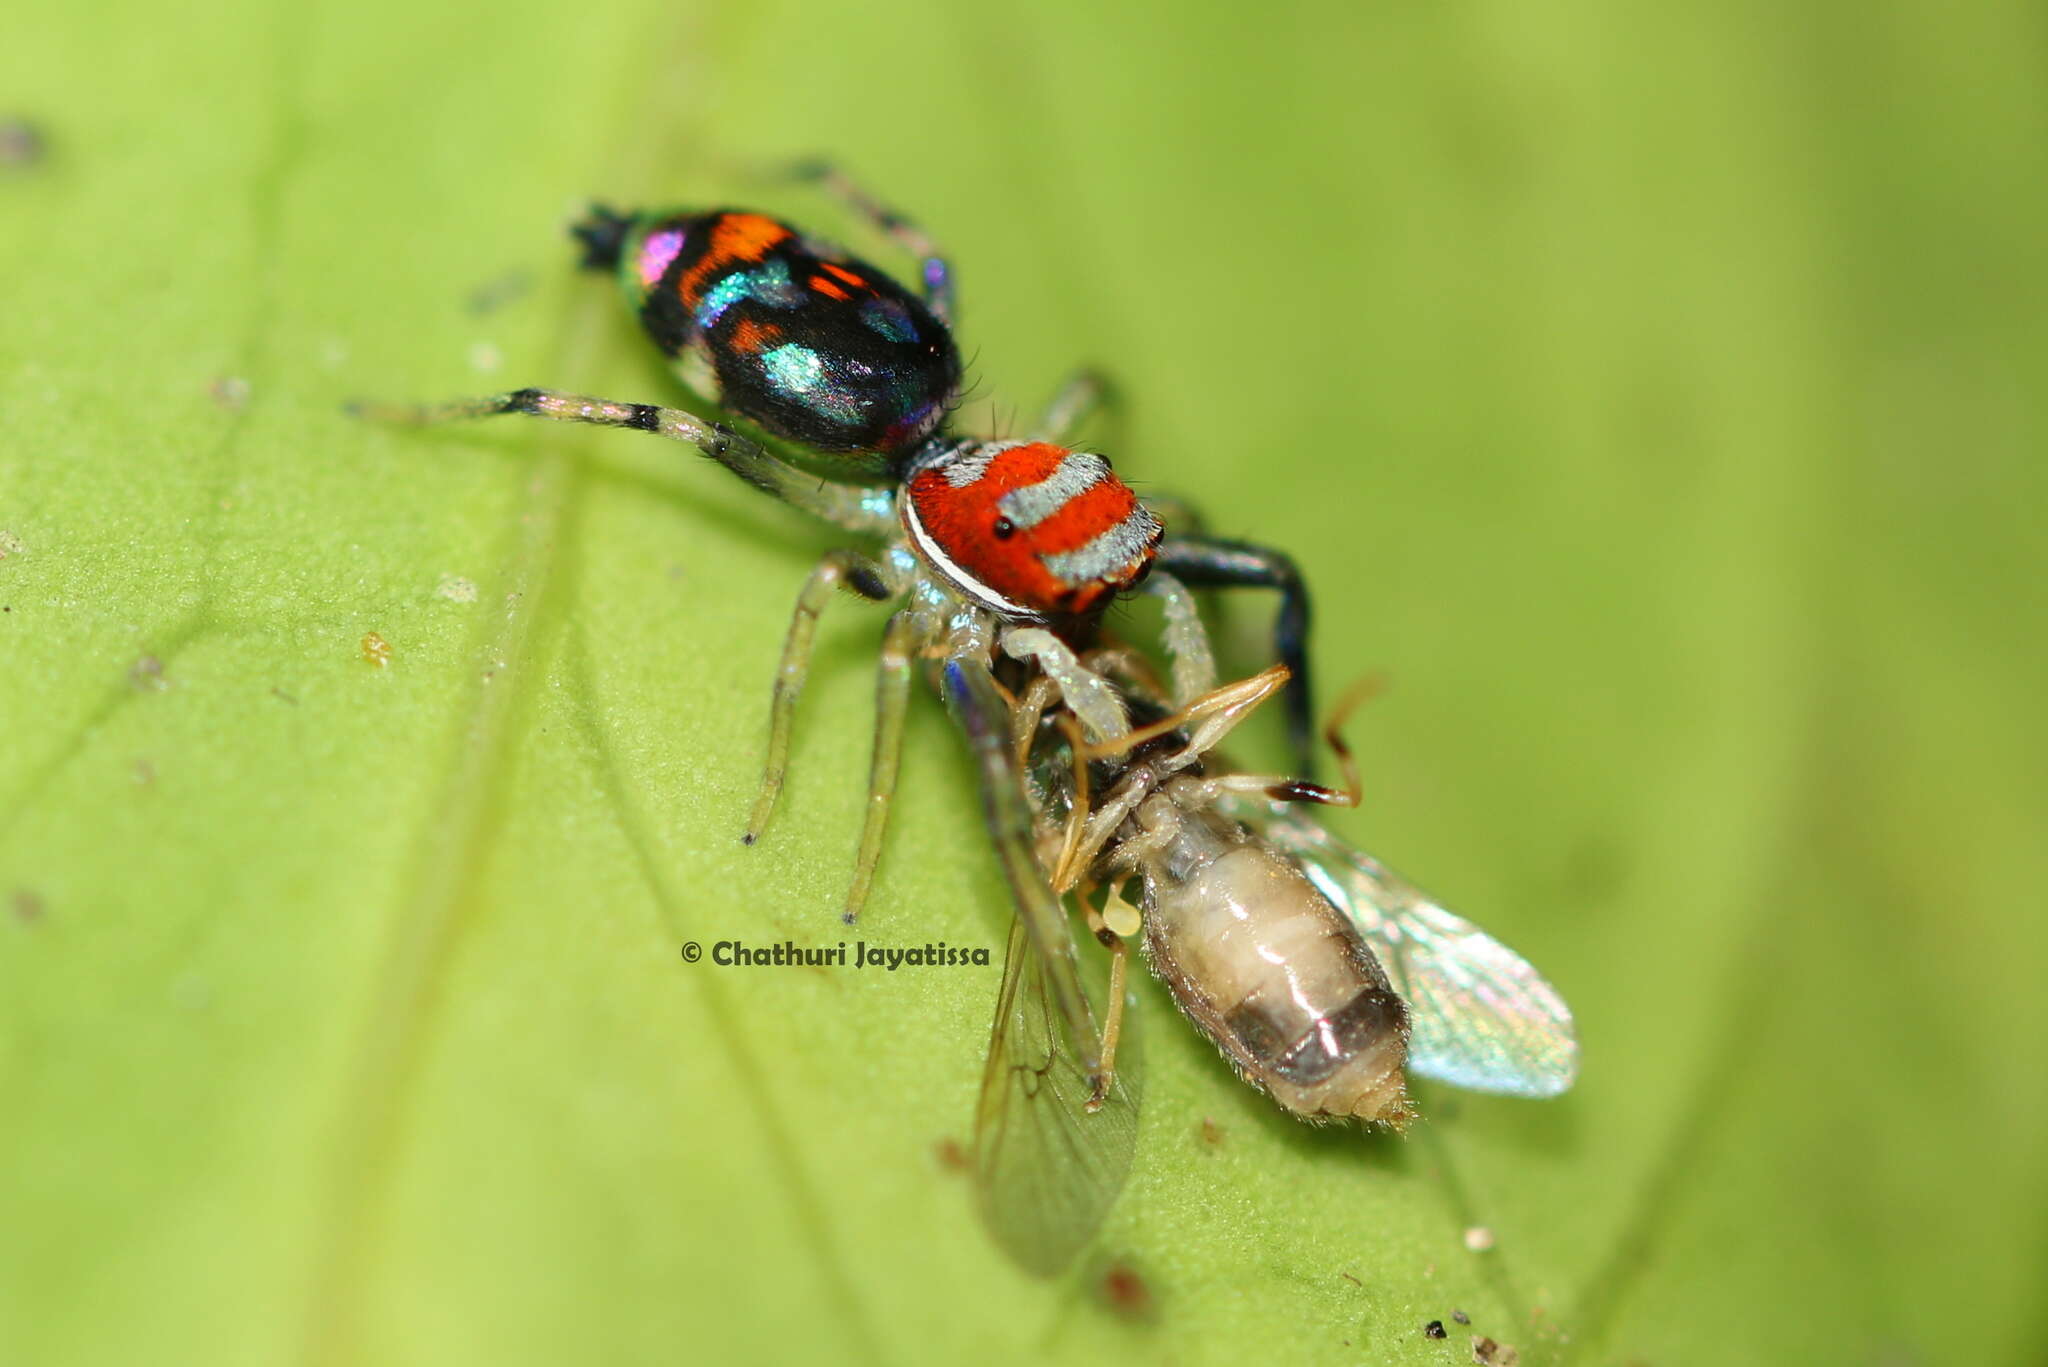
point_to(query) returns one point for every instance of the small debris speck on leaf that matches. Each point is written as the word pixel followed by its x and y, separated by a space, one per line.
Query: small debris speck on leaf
pixel 1125 1291
pixel 147 674
pixel 1479 1238
pixel 1487 1353
pixel 21 143
pixel 1461 1317
pixel 494 294
pixel 28 907
pixel 456 589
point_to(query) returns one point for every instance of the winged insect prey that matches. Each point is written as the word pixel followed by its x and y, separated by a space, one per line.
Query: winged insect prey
pixel 1316 970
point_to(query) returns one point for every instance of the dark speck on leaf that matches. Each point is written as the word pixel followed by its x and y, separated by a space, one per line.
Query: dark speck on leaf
pixel 1125 1291
pixel 499 291
pixel 21 143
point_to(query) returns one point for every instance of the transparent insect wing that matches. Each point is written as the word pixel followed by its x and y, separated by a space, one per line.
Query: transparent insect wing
pixel 1481 1016
pixel 1046 1169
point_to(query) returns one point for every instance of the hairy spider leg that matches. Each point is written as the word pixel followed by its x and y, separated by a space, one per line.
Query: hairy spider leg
pixel 1202 561
pixel 892 702
pixel 1187 641
pixel 934 273
pixel 853 571
pixel 1083 392
pixel 856 508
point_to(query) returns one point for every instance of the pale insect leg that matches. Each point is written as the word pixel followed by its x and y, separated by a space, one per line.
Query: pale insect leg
pixel 1209 718
pixel 1027 712
pixel 1157 830
pixel 892 700
pixel 1066 868
pixel 1102 823
pixel 1113 1011
pixel 1088 695
pixel 850 506
pixel 1209 788
pixel 864 577
pixel 934 272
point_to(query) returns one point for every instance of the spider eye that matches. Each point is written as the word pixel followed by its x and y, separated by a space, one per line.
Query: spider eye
pixel 1005 529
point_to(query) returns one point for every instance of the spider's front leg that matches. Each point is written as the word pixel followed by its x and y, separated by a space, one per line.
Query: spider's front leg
pixel 1190 558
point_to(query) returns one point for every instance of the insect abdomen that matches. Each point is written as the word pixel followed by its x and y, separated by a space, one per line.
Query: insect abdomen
pixel 1275 975
pixel 793 336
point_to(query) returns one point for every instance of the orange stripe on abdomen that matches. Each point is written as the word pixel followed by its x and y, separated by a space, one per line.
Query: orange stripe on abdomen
pixel 734 239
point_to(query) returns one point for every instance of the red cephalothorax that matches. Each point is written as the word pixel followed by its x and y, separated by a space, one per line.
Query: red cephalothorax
pixel 1028 528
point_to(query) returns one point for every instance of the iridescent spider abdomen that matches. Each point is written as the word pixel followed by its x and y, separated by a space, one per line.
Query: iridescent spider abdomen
pixel 789 333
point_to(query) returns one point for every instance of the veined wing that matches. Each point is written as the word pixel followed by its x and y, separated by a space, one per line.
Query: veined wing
pixel 976 704
pixel 1481 1016
pixel 1046 1169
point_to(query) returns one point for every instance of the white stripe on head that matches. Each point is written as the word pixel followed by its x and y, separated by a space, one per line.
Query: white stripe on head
pixel 949 569
pixel 1034 503
pixel 967 465
pixel 1115 550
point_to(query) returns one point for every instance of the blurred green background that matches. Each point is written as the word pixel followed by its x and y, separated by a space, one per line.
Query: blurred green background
pixel 1654 394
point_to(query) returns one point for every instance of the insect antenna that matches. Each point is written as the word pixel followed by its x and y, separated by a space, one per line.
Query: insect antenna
pixel 1367 688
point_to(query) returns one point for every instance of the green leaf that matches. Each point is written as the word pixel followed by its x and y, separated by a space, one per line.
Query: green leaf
pixel 1655 395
